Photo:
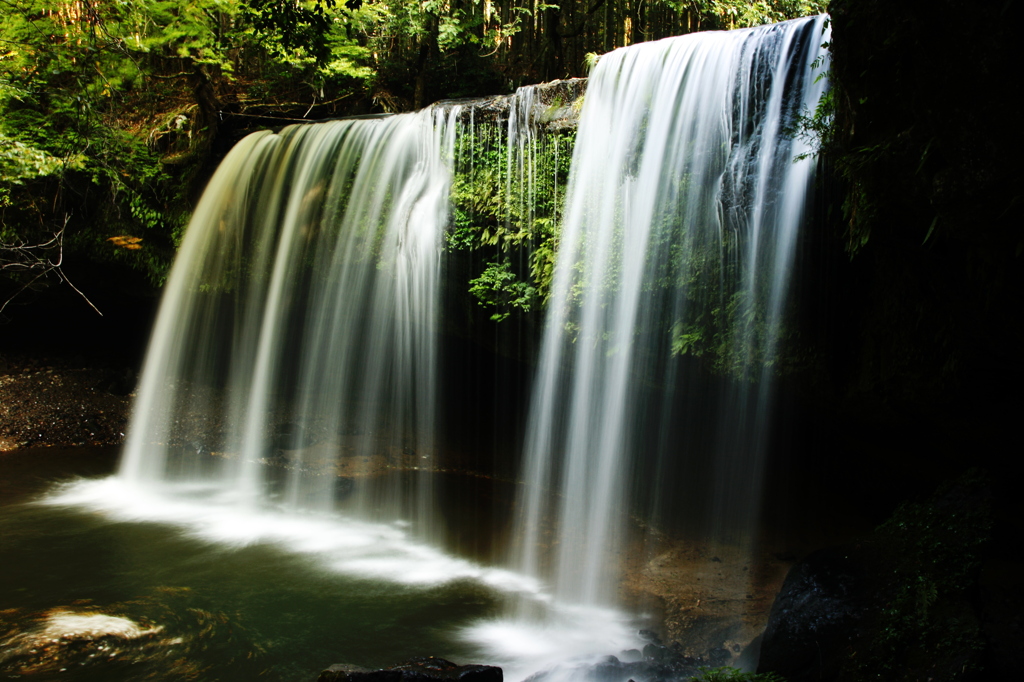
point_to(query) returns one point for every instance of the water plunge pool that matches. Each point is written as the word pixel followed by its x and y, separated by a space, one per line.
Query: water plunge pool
pixel 105 582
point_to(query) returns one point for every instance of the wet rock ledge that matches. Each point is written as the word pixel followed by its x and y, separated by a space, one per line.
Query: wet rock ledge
pixel 551 107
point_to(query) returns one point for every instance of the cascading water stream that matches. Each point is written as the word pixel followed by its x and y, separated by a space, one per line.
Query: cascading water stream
pixel 685 197
pixel 298 324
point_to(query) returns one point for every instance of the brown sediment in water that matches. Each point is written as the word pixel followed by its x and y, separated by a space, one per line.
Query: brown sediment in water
pixel 705 596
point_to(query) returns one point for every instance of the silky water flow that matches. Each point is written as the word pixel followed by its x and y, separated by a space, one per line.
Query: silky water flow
pixel 295 352
pixel 687 191
pixel 686 195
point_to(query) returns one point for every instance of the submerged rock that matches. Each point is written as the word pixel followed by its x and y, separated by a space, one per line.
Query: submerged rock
pixel 427 669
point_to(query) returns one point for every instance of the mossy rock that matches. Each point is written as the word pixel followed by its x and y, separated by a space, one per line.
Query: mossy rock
pixel 901 605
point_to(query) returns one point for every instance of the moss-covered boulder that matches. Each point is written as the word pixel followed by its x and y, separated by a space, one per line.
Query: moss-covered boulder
pixel 901 605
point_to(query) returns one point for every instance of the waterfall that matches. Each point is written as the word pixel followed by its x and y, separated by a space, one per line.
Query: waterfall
pixel 293 360
pixel 293 364
pixel 685 197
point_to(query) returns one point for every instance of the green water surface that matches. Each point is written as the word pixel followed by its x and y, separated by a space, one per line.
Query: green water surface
pixel 207 612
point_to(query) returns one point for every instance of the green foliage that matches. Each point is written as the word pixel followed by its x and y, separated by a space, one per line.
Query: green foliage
pixel 295 26
pixel 108 109
pixel 20 162
pixel 739 13
pixel 71 73
pixel 500 288
pixel 729 14
pixel 727 674
pixel 507 203
pixel 191 30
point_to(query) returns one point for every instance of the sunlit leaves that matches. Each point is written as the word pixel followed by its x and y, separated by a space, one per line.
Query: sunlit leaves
pixel 126 242
pixel 20 162
pixel 499 288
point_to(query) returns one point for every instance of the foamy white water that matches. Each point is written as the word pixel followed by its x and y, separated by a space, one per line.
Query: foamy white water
pixel 346 545
pixel 563 643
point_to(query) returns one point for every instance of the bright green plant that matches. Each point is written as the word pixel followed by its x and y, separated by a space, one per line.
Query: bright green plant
pixel 108 111
pixel 498 287
pixel 507 203
pixel 727 674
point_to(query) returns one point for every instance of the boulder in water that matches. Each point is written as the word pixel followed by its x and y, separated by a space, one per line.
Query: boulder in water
pixel 817 612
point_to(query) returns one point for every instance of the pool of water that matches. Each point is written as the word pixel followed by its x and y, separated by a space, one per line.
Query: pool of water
pixel 98 581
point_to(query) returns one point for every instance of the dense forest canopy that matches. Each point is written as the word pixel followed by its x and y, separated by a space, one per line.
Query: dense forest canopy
pixel 113 111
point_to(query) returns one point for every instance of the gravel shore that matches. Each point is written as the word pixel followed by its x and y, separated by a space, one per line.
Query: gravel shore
pixel 47 402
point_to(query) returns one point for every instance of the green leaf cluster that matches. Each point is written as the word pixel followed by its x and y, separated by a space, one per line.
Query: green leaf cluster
pixel 720 14
pixel 109 109
pixel 507 203
pixel 498 287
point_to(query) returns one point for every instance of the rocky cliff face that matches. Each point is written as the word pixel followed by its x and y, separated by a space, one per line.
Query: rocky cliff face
pixel 553 106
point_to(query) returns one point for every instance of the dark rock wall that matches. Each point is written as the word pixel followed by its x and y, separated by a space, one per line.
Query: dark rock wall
pixel 920 324
pixel 929 145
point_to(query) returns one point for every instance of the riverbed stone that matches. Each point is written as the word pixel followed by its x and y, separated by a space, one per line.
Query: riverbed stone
pixel 425 669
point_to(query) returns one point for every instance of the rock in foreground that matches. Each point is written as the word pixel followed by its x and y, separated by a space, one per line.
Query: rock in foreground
pixel 900 605
pixel 428 669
